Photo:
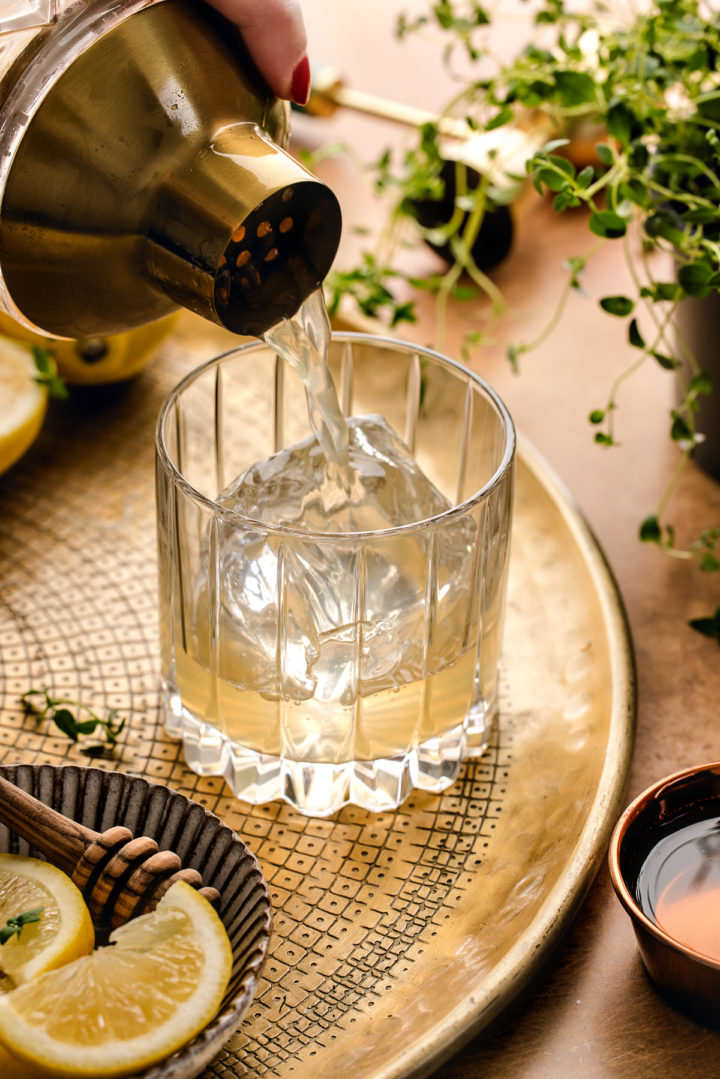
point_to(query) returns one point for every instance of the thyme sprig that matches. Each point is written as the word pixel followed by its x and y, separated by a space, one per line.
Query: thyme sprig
pixel 47 373
pixel 14 925
pixel 650 86
pixel 708 627
pixel 41 704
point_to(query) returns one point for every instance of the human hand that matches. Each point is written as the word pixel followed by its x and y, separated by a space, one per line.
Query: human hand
pixel 274 33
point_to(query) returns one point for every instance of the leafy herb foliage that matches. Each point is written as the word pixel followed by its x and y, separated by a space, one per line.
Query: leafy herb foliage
pixel 651 86
pixel 47 373
pixel 14 926
pixel 709 627
pixel 41 704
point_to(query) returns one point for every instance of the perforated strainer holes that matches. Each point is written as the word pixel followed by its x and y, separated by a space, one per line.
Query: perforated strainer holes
pixel 277 257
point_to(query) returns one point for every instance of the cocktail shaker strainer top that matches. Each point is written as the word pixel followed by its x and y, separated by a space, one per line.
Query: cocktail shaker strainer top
pixel 142 168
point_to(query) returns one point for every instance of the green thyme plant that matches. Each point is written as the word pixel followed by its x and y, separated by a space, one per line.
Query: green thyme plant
pixel 65 714
pixel 647 78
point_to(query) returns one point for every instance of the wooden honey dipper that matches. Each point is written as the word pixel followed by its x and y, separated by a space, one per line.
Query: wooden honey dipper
pixel 120 875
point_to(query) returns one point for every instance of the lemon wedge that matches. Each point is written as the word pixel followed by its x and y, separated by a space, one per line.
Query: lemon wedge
pixel 158 982
pixel 22 402
pixel 64 929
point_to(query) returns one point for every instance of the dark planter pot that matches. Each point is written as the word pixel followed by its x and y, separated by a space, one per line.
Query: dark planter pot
pixel 698 322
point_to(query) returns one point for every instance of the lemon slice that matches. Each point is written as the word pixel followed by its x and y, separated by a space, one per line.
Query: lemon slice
pixel 64 930
pixel 22 402
pixel 129 1004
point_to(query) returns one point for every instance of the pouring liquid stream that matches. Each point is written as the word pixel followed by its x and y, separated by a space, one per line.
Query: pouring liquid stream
pixel 303 343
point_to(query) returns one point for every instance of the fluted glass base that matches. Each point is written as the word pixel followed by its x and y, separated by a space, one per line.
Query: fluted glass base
pixel 320 789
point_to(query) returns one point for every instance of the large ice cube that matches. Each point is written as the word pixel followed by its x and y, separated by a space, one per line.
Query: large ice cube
pixel 295 486
pixel 339 616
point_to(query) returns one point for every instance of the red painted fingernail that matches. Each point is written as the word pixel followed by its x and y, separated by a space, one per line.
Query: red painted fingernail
pixel 300 84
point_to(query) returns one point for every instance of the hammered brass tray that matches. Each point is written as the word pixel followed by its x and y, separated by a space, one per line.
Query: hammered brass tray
pixel 396 936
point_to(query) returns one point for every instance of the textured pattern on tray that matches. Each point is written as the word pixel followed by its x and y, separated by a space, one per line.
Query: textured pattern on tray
pixel 395 935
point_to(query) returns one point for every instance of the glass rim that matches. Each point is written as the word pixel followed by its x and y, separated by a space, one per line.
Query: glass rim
pixel 459 509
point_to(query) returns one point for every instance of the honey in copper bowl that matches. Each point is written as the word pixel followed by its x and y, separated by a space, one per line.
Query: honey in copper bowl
pixel 678 885
pixel 664 861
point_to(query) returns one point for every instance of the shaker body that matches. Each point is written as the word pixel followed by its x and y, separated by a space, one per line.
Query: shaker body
pixel 135 143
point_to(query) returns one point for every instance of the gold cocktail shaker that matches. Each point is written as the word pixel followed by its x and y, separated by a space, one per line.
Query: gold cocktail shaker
pixel 142 168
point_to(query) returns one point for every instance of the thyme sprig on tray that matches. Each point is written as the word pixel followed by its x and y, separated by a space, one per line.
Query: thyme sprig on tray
pixel 41 704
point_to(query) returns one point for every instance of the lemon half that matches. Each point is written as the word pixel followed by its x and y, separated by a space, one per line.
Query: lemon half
pixel 129 1004
pixel 97 360
pixel 23 402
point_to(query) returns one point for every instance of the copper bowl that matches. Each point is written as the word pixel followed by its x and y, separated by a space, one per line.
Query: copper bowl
pixel 687 978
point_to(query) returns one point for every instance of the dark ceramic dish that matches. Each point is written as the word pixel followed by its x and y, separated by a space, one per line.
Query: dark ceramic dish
pixel 689 979
pixel 100 799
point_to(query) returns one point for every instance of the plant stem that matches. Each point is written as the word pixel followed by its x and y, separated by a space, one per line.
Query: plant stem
pixel 667 495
